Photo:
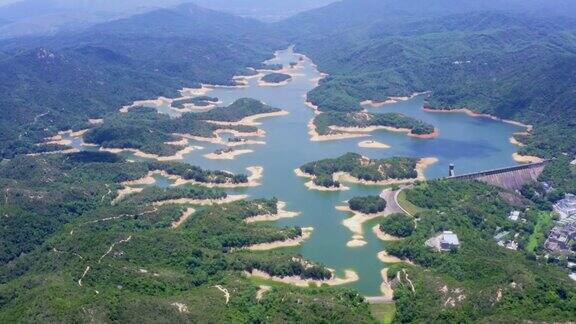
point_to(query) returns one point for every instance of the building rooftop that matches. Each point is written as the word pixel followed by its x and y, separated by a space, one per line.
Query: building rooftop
pixel 514 215
pixel 567 206
pixel 448 237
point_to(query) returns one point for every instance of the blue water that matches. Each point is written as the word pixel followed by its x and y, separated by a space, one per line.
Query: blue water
pixel 473 144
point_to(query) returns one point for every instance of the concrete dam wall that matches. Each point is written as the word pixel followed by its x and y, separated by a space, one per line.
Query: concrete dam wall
pixel 512 178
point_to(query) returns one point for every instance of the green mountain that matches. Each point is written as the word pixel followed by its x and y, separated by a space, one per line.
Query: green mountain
pixel 58 82
pixel 515 60
pixel 265 10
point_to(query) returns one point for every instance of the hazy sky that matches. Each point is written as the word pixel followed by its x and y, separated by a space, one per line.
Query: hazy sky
pixel 3 2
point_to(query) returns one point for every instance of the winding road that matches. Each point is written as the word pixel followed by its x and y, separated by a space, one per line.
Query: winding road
pixel 392 205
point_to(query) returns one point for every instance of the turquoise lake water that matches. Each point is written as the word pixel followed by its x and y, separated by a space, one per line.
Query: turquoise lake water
pixel 473 144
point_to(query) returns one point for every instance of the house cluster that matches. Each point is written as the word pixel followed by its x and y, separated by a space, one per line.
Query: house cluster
pixel 503 239
pixel 566 207
pixel 444 242
pixel 561 239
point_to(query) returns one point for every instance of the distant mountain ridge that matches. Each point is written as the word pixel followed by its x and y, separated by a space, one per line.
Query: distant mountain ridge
pixel 49 17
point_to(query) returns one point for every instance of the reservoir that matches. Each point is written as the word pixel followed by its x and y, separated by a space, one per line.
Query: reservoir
pixel 472 144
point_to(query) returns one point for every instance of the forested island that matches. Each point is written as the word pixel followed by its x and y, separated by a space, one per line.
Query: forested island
pixel 330 122
pixel 191 172
pixel 367 205
pixel 200 101
pixel 360 168
pixel 276 78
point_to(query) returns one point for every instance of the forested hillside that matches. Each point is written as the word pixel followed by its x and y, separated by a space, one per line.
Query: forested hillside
pixel 68 255
pixel 480 281
pixel 55 83
pixel 515 60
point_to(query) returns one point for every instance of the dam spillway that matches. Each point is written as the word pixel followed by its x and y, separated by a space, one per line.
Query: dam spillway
pixel 511 178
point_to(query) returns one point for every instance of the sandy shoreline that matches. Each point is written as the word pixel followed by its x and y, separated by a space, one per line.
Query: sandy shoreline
pixel 316 137
pixel 281 214
pixel 312 106
pixel 526 158
pixel 227 155
pixel 316 80
pixel 195 92
pixel 385 289
pixel 251 120
pixel 306 233
pixel 200 202
pixel 390 100
pixel 355 224
pixel 263 83
pixel 192 108
pixel 344 177
pixel 219 141
pixel 373 145
pixel 182 142
pixel 349 277
pixel 312 186
pixel 516 142
pixel 60 140
pixel 155 103
pixel 384 236
pixel 420 169
pixel 177 156
pixel 370 129
pixel 386 258
pixel 256 174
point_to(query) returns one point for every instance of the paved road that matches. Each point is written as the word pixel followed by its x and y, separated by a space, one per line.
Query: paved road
pixel 392 206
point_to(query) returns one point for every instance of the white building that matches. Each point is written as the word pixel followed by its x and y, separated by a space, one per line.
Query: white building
pixel 449 241
pixel 514 216
pixel 512 245
pixel 566 207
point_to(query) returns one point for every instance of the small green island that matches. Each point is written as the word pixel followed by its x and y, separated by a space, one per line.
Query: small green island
pixel 200 101
pixel 367 205
pixel 276 78
pixel 197 174
pixel 354 167
pixel 333 122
